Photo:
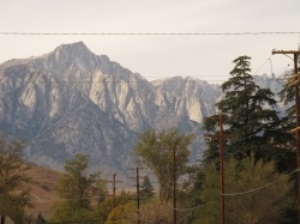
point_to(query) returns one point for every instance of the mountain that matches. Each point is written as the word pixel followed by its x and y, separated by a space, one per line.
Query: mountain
pixel 71 100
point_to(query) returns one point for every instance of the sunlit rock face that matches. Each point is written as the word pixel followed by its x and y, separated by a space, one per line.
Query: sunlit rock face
pixel 72 101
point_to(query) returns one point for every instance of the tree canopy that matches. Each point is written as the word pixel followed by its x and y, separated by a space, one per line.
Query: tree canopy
pixel 14 195
pixel 76 190
pixel 251 117
pixel 156 150
pixel 254 193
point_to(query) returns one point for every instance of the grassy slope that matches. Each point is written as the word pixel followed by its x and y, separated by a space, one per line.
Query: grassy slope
pixel 42 190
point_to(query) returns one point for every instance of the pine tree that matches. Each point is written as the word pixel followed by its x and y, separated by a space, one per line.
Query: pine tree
pixel 251 117
pixel 147 190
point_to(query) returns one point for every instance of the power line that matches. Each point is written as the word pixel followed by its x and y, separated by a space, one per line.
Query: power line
pixel 248 33
pixel 189 209
pixel 259 188
pixel 268 59
pixel 225 194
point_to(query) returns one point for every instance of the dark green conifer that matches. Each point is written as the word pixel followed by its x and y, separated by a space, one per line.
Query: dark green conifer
pixel 251 117
pixel 147 190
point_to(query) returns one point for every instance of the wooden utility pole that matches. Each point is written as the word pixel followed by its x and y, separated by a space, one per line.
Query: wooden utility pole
pixel 174 188
pixel 295 82
pixel 220 137
pixel 222 167
pixel 137 192
pixel 114 190
pixel 114 181
pixel 2 219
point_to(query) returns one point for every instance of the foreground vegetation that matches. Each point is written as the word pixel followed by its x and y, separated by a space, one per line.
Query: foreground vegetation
pixel 259 163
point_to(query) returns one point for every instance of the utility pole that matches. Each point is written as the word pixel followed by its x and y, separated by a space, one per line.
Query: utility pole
pixel 114 190
pixel 174 188
pixel 220 137
pixel 294 81
pixel 2 219
pixel 114 181
pixel 222 167
pixel 137 192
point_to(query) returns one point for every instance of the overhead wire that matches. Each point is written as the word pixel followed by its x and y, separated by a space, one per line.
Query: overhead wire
pixel 13 33
pixel 259 188
pixel 155 78
pixel 191 209
pixel 289 57
pixel 246 33
pixel 271 65
pixel 268 59
pixel 188 209
pixel 284 73
pixel 226 194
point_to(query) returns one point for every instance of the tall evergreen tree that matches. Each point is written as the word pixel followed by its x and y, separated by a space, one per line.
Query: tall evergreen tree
pixel 251 116
pixel 147 190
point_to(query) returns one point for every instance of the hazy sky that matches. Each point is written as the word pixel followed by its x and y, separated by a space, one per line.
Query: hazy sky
pixel 205 57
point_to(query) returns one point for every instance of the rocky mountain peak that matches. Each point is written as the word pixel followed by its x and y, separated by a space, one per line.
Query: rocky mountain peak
pixel 77 49
pixel 76 55
pixel 71 100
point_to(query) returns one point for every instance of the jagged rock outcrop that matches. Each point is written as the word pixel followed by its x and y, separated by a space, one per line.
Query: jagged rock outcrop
pixel 71 100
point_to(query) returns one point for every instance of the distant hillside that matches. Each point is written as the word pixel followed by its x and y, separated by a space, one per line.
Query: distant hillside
pixel 42 185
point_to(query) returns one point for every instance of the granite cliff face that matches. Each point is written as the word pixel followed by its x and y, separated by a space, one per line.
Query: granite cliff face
pixel 71 100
